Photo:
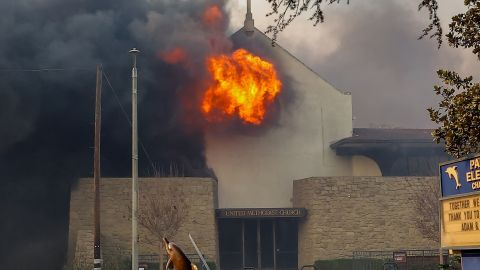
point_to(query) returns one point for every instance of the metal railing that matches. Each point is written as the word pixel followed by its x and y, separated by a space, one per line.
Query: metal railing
pixel 409 259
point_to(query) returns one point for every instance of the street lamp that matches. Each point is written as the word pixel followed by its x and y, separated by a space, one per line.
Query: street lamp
pixel 134 53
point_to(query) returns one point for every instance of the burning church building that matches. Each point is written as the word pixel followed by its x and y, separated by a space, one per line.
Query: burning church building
pixel 294 181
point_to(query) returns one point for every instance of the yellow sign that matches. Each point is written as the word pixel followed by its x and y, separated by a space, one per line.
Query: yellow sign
pixel 461 222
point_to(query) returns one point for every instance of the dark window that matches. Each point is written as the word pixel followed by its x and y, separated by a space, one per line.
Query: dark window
pixel 230 243
pixel 251 258
pixel 286 241
pixel 266 242
pixel 270 243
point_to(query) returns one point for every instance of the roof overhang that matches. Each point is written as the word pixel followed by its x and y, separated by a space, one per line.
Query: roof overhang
pixel 368 141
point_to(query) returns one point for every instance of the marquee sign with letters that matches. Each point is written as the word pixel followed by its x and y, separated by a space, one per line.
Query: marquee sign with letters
pixel 461 222
pixel 261 212
pixel 460 204
pixel 460 176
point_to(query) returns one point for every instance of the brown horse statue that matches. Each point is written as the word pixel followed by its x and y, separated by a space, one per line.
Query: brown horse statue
pixel 176 257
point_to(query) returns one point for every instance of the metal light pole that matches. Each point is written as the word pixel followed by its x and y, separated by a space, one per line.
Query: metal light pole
pixel 134 53
pixel 97 260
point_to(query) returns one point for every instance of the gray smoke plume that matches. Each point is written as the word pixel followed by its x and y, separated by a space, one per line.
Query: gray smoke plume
pixel 370 48
pixel 380 60
pixel 47 116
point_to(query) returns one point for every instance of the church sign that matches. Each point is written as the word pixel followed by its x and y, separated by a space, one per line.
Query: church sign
pixel 460 203
pixel 460 176
pixel 261 212
pixel 461 222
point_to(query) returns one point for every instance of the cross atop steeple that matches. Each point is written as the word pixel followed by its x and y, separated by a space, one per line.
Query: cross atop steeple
pixel 248 26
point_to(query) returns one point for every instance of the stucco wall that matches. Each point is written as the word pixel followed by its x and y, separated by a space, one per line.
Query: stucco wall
pixel 200 197
pixel 311 114
pixel 364 166
pixel 347 214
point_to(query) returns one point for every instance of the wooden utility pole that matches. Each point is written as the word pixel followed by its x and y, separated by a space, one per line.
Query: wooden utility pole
pixel 97 261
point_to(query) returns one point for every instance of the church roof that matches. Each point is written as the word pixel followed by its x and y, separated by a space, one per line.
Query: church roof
pixel 377 135
pixel 368 139
pixel 241 39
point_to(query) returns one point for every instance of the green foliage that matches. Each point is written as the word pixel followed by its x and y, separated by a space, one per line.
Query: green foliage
pixel 458 114
pixel 453 264
pixel 378 264
pixel 285 11
pixel 337 264
pixel 348 264
pixel 465 28
pixel 117 263
pixel 434 29
pixel 431 266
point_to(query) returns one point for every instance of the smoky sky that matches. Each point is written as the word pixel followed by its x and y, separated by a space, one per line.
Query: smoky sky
pixel 389 72
pixel 371 49
pixel 47 116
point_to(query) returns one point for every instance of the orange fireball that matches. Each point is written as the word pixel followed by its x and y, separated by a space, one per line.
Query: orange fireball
pixel 212 15
pixel 173 56
pixel 243 85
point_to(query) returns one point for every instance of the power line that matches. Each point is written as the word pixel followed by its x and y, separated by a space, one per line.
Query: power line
pixel 40 69
pixel 125 114
pixel 116 97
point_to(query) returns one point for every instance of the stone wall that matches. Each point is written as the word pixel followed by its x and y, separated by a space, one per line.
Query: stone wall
pixel 200 198
pixel 346 214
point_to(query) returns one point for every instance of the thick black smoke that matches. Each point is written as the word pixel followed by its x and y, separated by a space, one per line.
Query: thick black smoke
pixel 46 117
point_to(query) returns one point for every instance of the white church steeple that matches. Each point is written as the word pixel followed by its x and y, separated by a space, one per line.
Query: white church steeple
pixel 248 26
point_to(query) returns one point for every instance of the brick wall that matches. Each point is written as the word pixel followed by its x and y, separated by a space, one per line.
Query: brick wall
pixel 346 214
pixel 200 195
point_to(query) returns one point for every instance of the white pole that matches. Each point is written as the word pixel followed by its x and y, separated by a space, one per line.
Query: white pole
pixel 134 52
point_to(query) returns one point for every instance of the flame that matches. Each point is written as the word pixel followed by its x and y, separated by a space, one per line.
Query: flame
pixel 212 15
pixel 243 84
pixel 173 56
